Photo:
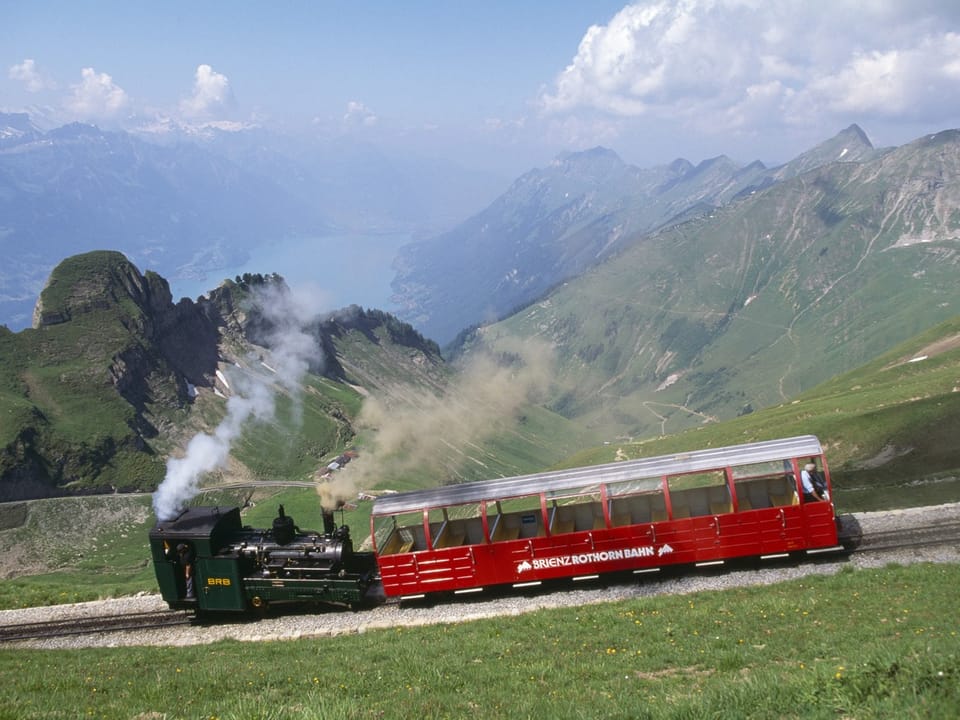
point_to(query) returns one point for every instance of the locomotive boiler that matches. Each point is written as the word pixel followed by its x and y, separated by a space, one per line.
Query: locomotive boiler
pixel 206 560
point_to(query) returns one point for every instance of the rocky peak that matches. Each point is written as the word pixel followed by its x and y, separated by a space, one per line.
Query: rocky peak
pixel 598 162
pixel 16 128
pixel 849 145
pixel 856 134
pixel 99 280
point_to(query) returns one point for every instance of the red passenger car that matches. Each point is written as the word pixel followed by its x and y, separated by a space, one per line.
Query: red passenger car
pixel 699 507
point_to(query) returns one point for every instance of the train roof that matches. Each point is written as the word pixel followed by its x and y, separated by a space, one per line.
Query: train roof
pixel 556 481
pixel 197 522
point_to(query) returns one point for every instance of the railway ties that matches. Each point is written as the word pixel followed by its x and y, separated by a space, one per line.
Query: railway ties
pixel 944 533
pixel 91 625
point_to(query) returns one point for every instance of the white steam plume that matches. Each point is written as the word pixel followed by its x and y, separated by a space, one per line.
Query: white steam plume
pixel 205 453
pixel 291 348
pixel 291 353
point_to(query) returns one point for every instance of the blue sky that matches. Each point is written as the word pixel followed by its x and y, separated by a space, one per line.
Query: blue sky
pixel 505 84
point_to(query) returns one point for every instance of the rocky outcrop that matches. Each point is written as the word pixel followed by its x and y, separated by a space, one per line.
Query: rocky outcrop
pixel 107 377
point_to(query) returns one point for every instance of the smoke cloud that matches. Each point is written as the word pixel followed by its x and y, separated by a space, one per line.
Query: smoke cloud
pixel 291 351
pixel 434 434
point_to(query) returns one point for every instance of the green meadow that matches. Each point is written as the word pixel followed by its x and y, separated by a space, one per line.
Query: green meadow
pixel 860 644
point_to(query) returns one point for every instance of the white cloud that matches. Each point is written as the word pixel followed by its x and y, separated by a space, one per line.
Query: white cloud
pixel 211 97
pixel 96 96
pixel 920 80
pixel 722 66
pixel 27 73
pixel 359 114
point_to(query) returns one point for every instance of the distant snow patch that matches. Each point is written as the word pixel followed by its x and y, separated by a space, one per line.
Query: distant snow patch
pixel 671 379
pixel 844 152
pixel 908 240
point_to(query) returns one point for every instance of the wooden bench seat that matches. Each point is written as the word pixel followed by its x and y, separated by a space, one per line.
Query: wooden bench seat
pixel 563 526
pixel 400 541
pixel 784 500
pixel 451 537
pixel 502 533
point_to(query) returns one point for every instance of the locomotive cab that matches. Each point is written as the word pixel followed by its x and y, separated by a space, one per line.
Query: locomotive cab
pixel 203 531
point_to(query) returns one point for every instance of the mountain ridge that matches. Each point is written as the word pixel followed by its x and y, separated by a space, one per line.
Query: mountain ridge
pixel 114 376
pixel 746 306
pixel 553 223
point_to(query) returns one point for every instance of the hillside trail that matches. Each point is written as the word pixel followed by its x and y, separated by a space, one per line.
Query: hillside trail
pixel 648 405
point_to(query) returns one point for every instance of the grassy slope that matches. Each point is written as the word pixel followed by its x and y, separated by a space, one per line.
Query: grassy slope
pixel 884 424
pixel 58 384
pixel 75 549
pixel 762 300
pixel 302 436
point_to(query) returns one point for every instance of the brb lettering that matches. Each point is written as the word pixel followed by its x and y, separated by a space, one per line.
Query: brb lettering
pixel 592 557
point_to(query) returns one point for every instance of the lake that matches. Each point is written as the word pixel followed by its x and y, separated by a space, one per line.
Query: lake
pixel 338 270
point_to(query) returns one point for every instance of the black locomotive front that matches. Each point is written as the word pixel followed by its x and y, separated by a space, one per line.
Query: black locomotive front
pixel 205 559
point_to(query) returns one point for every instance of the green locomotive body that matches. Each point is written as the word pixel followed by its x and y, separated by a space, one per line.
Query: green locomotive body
pixel 207 561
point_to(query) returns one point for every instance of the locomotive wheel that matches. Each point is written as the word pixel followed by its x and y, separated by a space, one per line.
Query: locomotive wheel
pixel 258 604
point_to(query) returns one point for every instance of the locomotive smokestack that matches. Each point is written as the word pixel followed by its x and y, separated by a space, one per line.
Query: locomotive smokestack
pixel 283 527
pixel 329 523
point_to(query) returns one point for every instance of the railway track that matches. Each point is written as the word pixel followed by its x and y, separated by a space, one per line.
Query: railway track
pixel 946 532
pixel 92 625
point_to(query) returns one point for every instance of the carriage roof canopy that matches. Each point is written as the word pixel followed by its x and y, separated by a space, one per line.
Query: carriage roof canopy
pixel 577 478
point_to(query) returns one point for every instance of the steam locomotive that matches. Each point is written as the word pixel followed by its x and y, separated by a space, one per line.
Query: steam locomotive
pixel 702 507
pixel 206 560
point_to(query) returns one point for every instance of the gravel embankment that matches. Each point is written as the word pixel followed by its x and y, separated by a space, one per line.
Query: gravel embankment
pixel 328 624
